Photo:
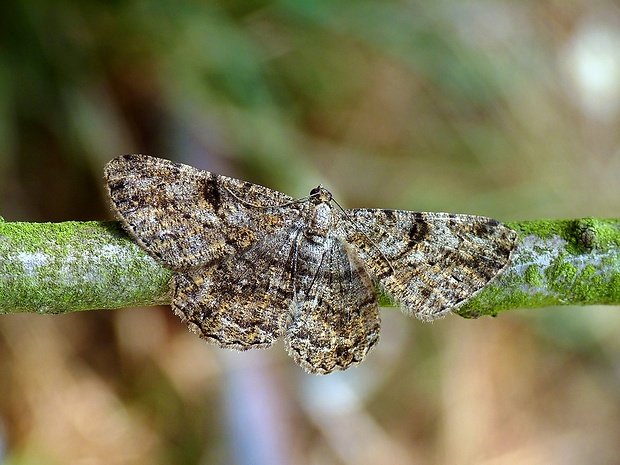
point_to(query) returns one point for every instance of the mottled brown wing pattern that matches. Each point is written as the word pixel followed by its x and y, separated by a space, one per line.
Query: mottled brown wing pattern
pixel 335 317
pixel 188 218
pixel 242 302
pixel 430 262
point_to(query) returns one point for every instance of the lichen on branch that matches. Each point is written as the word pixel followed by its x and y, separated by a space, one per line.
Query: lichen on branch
pixel 74 266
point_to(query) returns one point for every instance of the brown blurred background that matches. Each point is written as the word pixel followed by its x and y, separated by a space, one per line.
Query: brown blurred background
pixel 508 109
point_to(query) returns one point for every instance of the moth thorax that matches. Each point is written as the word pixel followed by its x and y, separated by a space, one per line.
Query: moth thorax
pixel 319 223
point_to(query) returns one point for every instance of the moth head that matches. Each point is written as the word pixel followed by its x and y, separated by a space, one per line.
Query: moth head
pixel 320 195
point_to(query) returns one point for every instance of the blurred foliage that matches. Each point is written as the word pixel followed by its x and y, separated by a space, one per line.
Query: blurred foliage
pixel 507 108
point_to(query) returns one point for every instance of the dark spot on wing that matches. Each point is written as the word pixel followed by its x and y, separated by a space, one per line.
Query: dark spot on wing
pixel 425 291
pixel 484 228
pixel 118 184
pixel 212 193
pixel 419 230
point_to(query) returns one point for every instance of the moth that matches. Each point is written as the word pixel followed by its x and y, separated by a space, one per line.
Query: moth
pixel 252 265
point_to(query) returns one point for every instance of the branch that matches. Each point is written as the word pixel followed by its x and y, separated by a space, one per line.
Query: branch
pixel 557 262
pixel 73 266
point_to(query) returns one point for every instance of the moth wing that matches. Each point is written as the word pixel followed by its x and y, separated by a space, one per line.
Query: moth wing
pixel 243 301
pixel 430 262
pixel 188 218
pixel 335 317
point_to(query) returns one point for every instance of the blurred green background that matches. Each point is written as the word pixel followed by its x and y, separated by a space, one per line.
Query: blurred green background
pixel 508 109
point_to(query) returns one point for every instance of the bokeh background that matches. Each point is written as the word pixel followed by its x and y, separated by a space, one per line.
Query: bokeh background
pixel 508 109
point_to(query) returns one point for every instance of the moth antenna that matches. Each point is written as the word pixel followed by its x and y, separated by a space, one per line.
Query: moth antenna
pixel 265 207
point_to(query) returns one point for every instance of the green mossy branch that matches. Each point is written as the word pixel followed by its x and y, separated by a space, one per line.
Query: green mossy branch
pixel 74 266
pixel 557 262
